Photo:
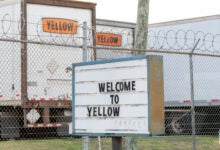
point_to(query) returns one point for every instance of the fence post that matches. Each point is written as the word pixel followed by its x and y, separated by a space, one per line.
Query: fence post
pixel 99 143
pixel 218 136
pixel 85 53
pixel 192 97
pixel 23 29
pixel 85 44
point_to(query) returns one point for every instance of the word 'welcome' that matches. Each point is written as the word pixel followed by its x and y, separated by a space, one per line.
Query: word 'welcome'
pixel 117 87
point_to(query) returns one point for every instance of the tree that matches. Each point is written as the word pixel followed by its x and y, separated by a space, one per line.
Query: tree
pixel 141 33
pixel 142 25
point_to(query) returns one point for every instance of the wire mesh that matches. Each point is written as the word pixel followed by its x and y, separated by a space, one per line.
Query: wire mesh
pixel 43 121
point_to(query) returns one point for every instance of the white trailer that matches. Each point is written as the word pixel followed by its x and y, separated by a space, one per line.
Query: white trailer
pixel 180 36
pixel 35 89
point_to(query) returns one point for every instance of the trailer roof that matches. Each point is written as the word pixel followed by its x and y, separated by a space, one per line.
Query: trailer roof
pixel 115 23
pixel 79 1
pixel 184 21
pixel 168 23
pixel 8 2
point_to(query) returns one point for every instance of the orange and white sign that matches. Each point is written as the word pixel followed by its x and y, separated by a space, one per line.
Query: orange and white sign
pixel 108 39
pixel 57 25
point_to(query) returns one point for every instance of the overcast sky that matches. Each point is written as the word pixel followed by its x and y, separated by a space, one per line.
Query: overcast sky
pixel 160 10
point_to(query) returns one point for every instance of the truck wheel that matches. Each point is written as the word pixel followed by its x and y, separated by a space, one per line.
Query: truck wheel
pixel 64 130
pixel 178 123
pixel 9 125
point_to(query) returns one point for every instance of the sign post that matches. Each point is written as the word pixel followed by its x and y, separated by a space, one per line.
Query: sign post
pixel 118 97
pixel 116 143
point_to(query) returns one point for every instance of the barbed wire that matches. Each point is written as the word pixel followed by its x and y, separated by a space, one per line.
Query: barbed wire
pixel 182 40
pixel 12 29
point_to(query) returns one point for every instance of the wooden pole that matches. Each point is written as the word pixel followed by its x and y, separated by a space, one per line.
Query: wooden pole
pixel 141 30
pixel 141 33
pixel 116 143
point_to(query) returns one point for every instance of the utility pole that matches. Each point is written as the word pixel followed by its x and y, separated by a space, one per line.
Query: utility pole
pixel 141 30
pixel 141 33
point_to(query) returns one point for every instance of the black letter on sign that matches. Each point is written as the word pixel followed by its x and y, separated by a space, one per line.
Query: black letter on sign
pixel 99 113
pixel 109 111
pixel 94 111
pixel 70 27
pixel 104 113
pixel 101 87
pixel 116 111
pixel 48 25
pixel 133 85
pixel 116 40
pixel 127 86
pixel 114 99
pixel 89 111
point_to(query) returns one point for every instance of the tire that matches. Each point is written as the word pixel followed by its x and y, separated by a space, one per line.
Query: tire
pixel 64 130
pixel 9 126
pixel 178 123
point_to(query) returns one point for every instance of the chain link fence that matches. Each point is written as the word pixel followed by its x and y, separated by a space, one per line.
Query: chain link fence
pixel 36 95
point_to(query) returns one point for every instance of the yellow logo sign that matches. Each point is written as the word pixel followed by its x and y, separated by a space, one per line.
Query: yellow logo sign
pixel 62 26
pixel 108 39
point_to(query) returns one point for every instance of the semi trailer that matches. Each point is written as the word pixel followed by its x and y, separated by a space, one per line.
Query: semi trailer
pixel 35 88
pixel 175 40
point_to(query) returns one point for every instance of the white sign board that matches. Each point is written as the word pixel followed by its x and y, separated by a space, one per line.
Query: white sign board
pixel 111 97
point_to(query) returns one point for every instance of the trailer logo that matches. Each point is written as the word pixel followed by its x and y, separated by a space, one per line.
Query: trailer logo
pixel 108 39
pixel 62 26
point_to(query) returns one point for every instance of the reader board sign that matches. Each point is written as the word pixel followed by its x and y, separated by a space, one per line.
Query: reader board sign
pixel 115 98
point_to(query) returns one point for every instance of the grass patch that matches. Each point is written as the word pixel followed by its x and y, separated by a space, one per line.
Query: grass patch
pixel 144 143
pixel 178 143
